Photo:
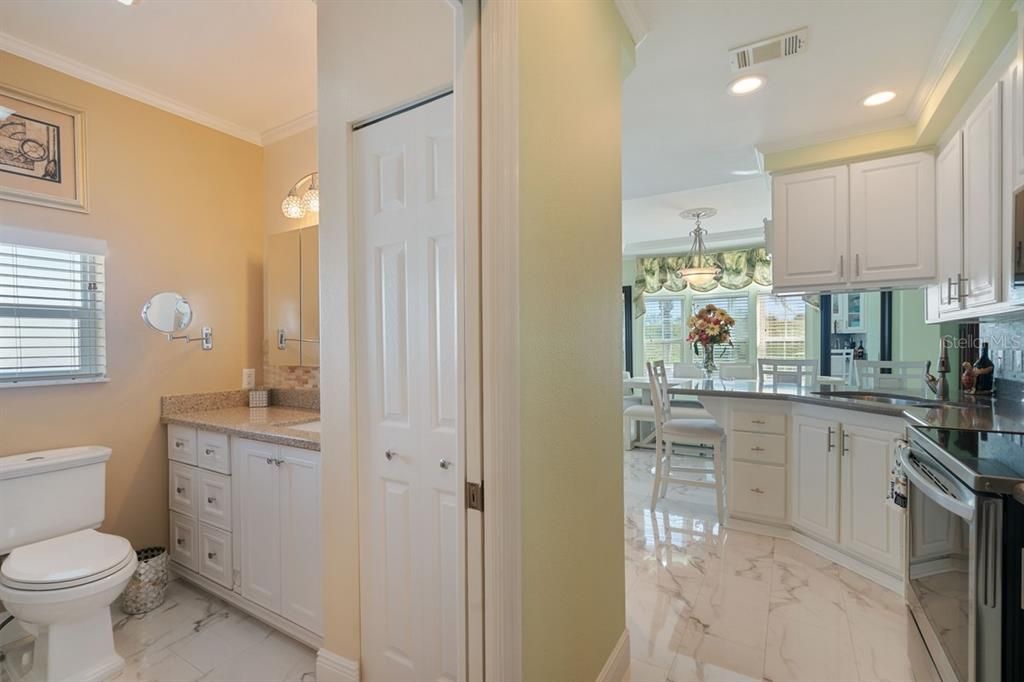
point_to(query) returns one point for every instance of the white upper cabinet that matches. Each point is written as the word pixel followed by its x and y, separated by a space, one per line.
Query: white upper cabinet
pixel 982 194
pixel 949 204
pixel 892 218
pixel 1017 121
pixel 843 227
pixel 810 213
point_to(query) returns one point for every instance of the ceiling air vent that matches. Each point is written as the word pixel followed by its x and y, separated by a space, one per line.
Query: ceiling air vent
pixel 785 45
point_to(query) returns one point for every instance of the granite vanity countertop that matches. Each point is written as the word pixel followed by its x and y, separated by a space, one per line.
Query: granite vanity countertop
pixel 269 424
pixel 982 413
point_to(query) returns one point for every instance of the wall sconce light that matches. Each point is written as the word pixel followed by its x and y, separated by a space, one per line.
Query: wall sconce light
pixel 303 197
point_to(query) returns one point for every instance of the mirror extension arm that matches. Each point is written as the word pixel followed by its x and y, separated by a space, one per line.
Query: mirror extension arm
pixel 206 338
pixel 282 340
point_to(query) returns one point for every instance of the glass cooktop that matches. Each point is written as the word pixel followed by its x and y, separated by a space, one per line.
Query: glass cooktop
pixel 992 459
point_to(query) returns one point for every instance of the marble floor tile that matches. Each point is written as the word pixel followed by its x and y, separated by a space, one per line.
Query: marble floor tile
pixel 709 603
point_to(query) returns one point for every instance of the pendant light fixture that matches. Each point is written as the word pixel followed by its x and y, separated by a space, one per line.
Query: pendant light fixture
pixel 700 271
pixel 299 202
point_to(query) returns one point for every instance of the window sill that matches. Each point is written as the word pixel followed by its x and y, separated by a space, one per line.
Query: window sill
pixel 33 383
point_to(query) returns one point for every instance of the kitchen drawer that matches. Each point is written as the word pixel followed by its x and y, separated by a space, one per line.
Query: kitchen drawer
pixel 762 448
pixel 181 493
pixel 759 422
pixel 214 499
pixel 212 452
pixel 181 443
pixel 215 559
pixel 183 540
pixel 757 490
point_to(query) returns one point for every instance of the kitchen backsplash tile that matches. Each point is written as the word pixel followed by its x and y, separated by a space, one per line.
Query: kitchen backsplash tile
pixel 1005 339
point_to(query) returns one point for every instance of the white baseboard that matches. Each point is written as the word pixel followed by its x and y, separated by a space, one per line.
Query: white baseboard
pixel 330 667
pixel 616 667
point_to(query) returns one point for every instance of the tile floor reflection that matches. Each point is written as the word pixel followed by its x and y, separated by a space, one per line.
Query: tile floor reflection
pixel 708 604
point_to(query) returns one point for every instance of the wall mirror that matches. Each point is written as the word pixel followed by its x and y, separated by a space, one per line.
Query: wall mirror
pixel 168 312
pixel 293 298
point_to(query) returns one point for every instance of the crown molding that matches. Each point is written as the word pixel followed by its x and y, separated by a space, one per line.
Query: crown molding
pixel 57 62
pixel 950 39
pixel 634 20
pixel 292 127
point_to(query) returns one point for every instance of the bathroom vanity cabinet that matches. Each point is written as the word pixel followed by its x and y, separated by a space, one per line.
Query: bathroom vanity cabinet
pixel 245 525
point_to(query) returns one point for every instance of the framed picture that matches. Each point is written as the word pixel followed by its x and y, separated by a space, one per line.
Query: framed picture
pixel 42 151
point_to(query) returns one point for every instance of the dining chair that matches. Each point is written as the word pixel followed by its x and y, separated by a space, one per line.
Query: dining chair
pixel 635 412
pixel 889 375
pixel 694 433
pixel 793 372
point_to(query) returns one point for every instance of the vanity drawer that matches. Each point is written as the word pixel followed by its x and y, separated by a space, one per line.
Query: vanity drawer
pixel 213 452
pixel 181 443
pixel 759 422
pixel 183 540
pixel 757 490
pixel 214 499
pixel 215 560
pixel 183 483
pixel 762 448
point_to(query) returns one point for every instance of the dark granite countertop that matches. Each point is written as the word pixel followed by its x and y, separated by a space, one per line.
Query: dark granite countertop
pixel 982 413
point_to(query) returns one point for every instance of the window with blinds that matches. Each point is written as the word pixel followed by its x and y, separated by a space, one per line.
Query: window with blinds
pixel 738 306
pixel 781 327
pixel 663 330
pixel 51 315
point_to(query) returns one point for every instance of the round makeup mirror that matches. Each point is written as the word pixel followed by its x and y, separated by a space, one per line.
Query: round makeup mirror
pixel 167 312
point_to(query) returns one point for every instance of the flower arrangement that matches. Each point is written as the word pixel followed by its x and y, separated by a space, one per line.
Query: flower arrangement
pixel 710 326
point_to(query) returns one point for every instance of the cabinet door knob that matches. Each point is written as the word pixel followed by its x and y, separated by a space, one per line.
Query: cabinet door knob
pixel 180 541
pixel 211 500
pixel 278 462
pixel 180 490
pixel 210 451
pixel 211 555
pixel 390 455
pixel 270 460
pixel 179 444
pixel 445 464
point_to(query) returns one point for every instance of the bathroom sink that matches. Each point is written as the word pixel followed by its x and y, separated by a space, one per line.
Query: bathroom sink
pixel 312 427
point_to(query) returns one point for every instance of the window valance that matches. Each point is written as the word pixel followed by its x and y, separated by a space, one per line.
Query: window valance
pixel 740 269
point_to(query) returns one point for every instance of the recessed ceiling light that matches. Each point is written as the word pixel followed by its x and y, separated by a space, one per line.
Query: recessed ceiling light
pixel 753 171
pixel 879 98
pixel 746 85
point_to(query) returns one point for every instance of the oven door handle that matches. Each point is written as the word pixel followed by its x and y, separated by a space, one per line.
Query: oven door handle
pixel 962 509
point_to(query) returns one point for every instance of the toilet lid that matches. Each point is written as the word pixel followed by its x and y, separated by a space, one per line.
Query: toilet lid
pixel 72 559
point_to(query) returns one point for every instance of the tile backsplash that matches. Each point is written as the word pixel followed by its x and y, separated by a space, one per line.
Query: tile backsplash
pixel 1005 339
pixel 275 376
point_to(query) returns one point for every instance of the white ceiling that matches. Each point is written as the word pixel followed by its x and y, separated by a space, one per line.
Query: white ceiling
pixel 240 66
pixel 681 128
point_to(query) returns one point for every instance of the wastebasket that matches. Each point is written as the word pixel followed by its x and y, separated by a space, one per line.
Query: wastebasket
pixel 148 587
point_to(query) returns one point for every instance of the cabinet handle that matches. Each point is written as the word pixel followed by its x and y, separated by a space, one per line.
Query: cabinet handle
pixel 757 421
pixel 841 265
pixel 856 265
pixel 181 542
pixel 960 280
pixel 829 445
pixel 278 462
pixel 270 460
pixel 445 464
pixel 180 490
pixel 390 455
pixel 179 444
pixel 842 438
pixel 211 555
pixel 211 500
pixel 757 448
pixel 210 451
pixel 949 290
pixel 757 490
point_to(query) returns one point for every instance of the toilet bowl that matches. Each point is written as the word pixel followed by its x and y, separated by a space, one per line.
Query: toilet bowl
pixel 64 587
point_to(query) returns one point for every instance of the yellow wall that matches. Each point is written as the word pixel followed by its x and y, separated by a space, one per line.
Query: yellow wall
pixel 570 212
pixel 179 206
pixel 410 47
pixel 284 162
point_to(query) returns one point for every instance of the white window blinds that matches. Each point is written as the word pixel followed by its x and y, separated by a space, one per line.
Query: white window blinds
pixel 51 315
pixel 663 330
pixel 781 327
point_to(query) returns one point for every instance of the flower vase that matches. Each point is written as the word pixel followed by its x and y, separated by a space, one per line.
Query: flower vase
pixel 708 360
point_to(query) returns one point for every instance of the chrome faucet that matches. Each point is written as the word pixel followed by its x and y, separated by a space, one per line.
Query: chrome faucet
pixel 939 385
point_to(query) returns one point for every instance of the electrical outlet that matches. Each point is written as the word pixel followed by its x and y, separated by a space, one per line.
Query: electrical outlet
pixel 248 378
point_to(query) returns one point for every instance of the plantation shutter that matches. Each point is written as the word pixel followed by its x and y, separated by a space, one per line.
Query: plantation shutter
pixel 52 307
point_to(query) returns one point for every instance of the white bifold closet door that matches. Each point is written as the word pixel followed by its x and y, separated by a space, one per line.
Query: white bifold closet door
pixel 407 373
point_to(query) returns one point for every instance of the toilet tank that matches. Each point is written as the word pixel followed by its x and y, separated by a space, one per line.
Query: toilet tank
pixel 49 493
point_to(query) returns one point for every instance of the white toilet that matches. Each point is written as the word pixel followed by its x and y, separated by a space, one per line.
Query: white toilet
pixel 59 576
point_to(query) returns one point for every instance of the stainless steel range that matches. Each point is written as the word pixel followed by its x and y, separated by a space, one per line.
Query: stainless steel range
pixel 965 538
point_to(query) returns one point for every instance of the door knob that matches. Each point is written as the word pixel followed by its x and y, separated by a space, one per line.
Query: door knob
pixel 390 454
pixel 445 464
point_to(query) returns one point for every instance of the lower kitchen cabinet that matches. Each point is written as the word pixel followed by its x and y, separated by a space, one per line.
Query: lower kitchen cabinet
pixel 279 493
pixel 814 477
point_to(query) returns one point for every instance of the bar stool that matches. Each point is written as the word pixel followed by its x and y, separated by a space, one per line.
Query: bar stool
pixel 696 433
